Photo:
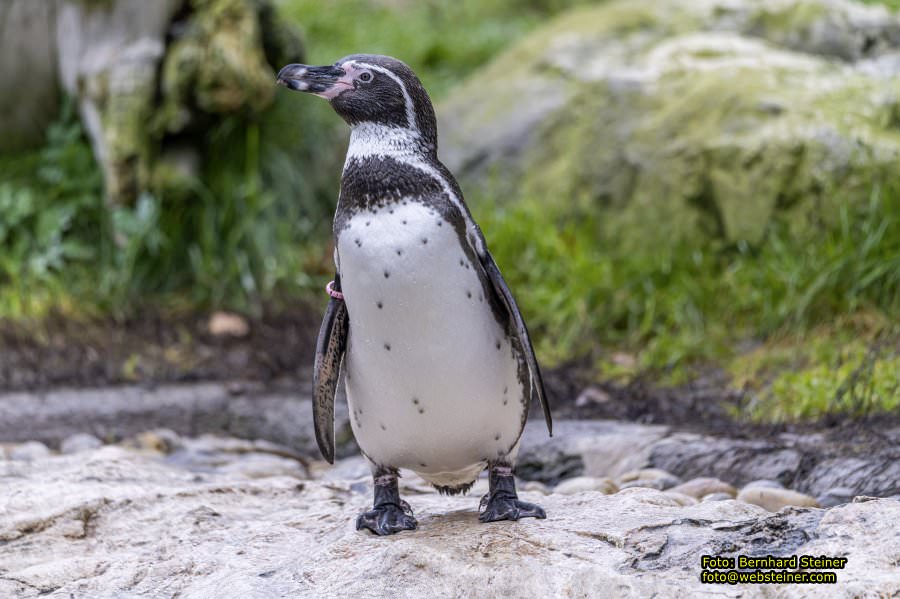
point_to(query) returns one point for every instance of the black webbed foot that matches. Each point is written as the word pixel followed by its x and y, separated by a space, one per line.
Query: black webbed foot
pixel 390 514
pixel 387 519
pixel 502 502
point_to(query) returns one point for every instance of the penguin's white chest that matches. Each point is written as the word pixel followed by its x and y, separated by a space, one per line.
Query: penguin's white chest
pixel 431 377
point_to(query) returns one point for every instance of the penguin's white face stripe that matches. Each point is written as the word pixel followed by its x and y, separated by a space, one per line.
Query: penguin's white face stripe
pixel 410 107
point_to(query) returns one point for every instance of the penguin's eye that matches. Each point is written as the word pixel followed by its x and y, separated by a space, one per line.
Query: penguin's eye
pixel 365 76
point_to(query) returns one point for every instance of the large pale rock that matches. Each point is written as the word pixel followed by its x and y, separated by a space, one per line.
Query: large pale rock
pixel 677 118
pixel 114 523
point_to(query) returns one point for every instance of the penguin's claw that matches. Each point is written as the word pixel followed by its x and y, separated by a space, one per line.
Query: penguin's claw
pixel 508 507
pixel 387 519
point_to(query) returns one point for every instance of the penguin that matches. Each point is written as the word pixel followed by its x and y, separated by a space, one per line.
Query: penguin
pixel 437 363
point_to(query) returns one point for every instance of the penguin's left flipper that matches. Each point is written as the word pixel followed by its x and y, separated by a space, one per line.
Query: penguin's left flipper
pixel 521 331
pixel 330 348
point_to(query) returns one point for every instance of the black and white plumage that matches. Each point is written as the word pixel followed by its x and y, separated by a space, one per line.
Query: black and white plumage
pixel 439 366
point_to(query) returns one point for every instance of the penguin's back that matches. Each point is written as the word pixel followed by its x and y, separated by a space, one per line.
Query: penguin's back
pixel 433 381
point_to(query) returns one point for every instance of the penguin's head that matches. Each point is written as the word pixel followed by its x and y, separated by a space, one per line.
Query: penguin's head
pixel 368 89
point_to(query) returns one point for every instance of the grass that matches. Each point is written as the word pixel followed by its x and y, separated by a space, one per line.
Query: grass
pixel 697 303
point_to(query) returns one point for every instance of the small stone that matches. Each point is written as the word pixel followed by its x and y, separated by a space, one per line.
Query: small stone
pixel 226 324
pixel 775 499
pixel 162 440
pixel 533 486
pixel 765 483
pixel 581 484
pixel 31 450
pixel 716 497
pixel 681 498
pixel 592 396
pixel 655 483
pixel 653 478
pixel 699 487
pixel 79 442
pixel 836 496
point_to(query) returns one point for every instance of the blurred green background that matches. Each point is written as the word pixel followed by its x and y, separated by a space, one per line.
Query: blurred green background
pixel 802 312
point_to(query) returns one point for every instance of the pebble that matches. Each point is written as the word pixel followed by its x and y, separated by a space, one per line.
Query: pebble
pixel 836 496
pixel 533 486
pixel 162 440
pixel 580 484
pixel 31 450
pixel 658 479
pixel 592 395
pixel 681 498
pixel 222 324
pixel 79 442
pixel 716 497
pixel 699 487
pixel 775 499
pixel 764 482
pixel 658 484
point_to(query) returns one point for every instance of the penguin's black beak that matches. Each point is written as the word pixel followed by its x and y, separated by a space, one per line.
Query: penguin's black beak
pixel 320 81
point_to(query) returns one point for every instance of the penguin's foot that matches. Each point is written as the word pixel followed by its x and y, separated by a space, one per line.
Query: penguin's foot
pixel 390 514
pixel 387 519
pixel 499 508
pixel 502 502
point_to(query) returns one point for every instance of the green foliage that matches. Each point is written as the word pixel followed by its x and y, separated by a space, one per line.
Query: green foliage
pixel 441 41
pixel 51 206
pixel 849 369
pixel 580 284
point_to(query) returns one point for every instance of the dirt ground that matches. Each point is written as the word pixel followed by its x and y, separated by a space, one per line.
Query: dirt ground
pixel 277 351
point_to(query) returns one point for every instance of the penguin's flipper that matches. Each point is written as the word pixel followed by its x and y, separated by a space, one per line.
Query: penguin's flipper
pixel 521 331
pixel 330 349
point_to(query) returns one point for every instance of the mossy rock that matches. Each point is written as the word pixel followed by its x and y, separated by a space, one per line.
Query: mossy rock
pixel 681 118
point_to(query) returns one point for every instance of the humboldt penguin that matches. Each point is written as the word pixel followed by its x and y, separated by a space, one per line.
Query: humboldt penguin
pixel 438 365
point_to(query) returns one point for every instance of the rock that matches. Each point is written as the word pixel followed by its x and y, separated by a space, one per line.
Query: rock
pixel 532 486
pixel 186 409
pixel 699 487
pixel 30 451
pixel 717 497
pixel 265 466
pixel 658 484
pixel 640 108
pixel 740 460
pixel 581 484
pixel 649 477
pixel 681 498
pixel 647 496
pixel 287 419
pixel 835 496
pixel 252 459
pixel 67 528
pixel 769 484
pixel 592 396
pixel 79 442
pixel 590 448
pixel 775 499
pixel 161 440
pixel 352 468
pixel 226 324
